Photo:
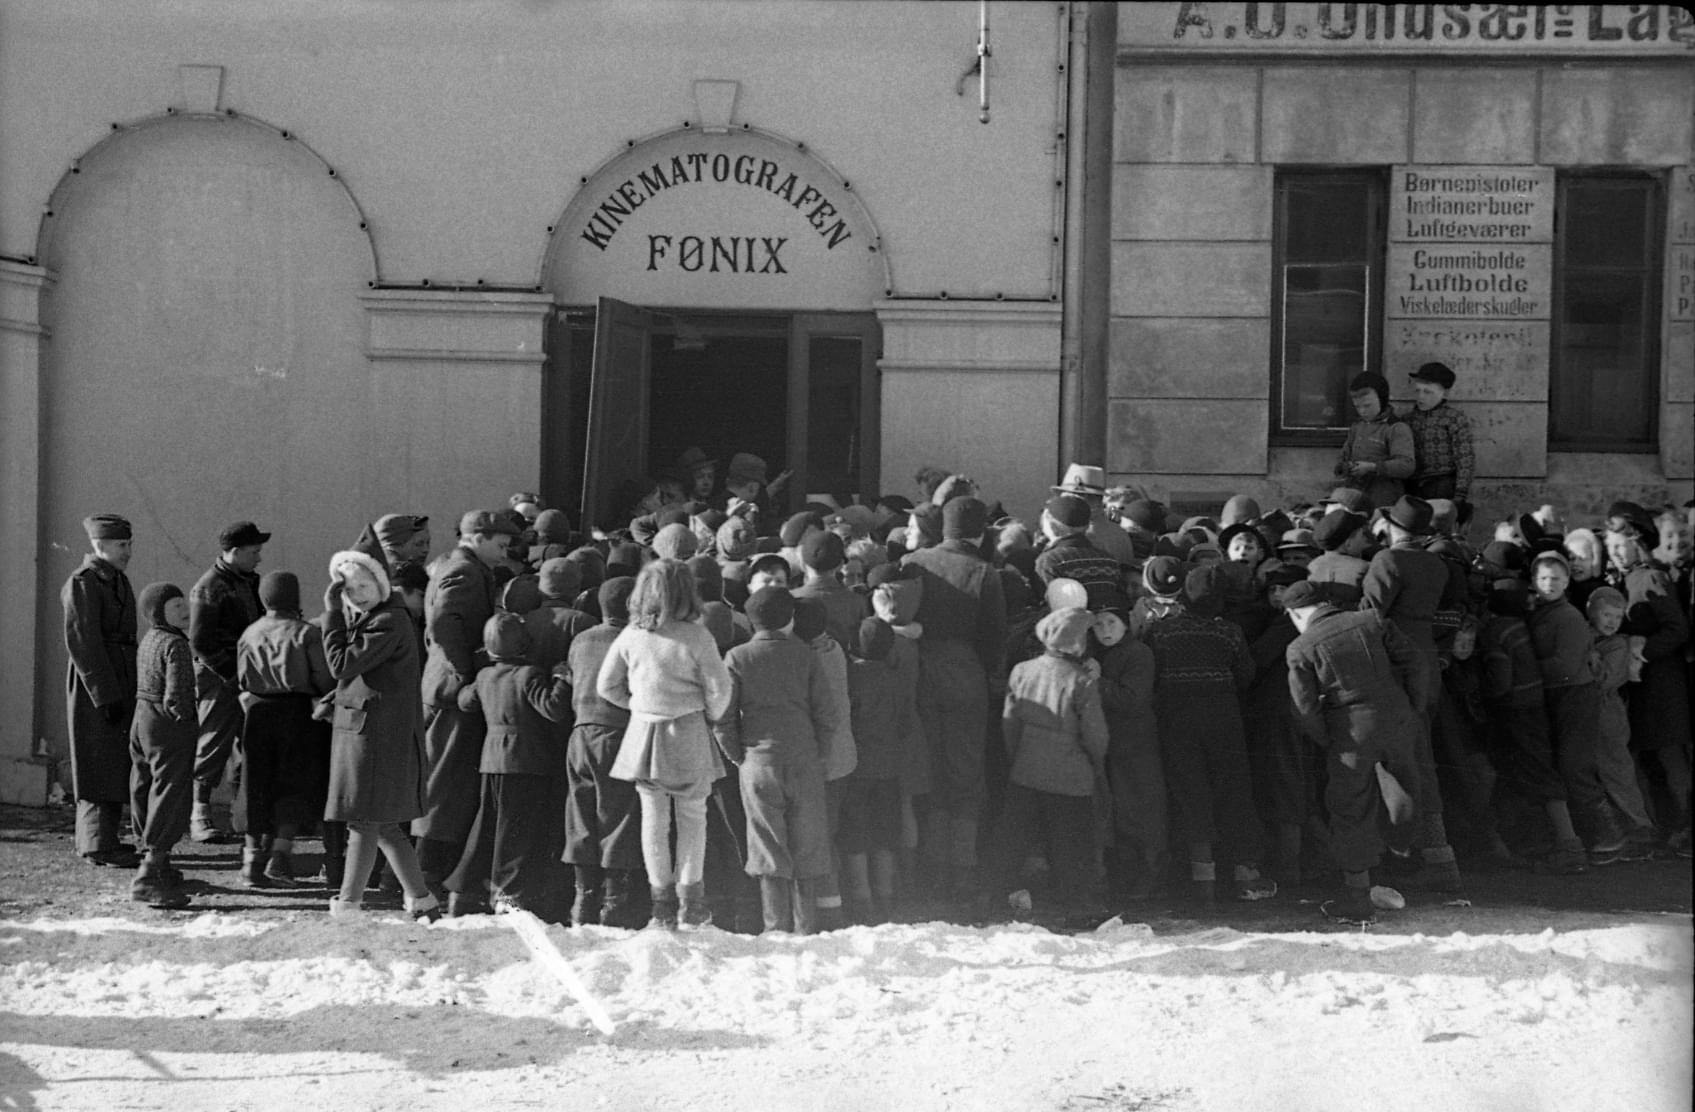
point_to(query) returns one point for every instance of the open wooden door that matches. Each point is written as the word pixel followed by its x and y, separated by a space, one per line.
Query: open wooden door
pixel 834 406
pixel 615 440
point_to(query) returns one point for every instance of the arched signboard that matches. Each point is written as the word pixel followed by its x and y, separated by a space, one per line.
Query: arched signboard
pixel 735 219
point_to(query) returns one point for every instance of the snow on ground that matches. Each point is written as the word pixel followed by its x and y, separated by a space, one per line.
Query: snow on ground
pixel 220 1011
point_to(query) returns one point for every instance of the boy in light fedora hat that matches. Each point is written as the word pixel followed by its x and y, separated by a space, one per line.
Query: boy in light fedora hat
pixel 1089 483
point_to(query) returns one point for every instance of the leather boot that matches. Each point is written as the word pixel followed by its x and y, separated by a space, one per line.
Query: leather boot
pixel 586 908
pixel 692 909
pixel 805 896
pixel 619 906
pixel 664 908
pixel 777 895
pixel 253 859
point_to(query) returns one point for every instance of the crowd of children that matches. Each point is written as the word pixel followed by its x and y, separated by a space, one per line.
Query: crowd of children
pixel 717 714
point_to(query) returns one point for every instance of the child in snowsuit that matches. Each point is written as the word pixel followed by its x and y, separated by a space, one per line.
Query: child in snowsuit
pixel 161 744
pixel 778 710
pixel 870 824
pixel 1519 745
pixel 1056 738
pixel 602 813
pixel 1605 610
pixel 513 845
pixel 281 670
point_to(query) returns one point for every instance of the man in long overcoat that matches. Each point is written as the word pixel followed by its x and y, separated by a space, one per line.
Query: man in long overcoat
pixel 100 625
pixel 459 602
pixel 961 664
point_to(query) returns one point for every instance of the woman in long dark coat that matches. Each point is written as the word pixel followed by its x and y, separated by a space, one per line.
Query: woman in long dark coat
pixel 376 749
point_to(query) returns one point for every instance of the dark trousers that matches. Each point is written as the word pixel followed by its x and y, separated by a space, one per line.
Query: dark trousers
pixel 453 750
pixel 603 815
pixel 1575 715
pixel 162 753
pixel 953 697
pixel 285 765
pixel 1206 769
pixel 1062 826
pixel 220 726
pixel 515 843
pixel 1523 755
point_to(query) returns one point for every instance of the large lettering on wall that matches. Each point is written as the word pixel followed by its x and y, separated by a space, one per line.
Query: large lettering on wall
pixel 1469 274
pixel 733 219
pixel 1407 28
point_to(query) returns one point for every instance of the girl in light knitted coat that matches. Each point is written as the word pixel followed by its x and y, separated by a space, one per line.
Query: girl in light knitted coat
pixel 665 668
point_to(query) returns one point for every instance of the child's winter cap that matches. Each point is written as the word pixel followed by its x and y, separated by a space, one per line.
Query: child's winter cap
pixel 770 608
pixel 861 519
pixel 1204 588
pixel 1163 576
pixel 963 519
pixel 823 552
pixel 614 599
pixel 1145 514
pixel 708 578
pixel 674 542
pixel 795 528
pixel 745 468
pixel 1066 594
pixel 1603 598
pixel 876 638
pixel 521 594
pixel 1240 509
pixel 151 602
pixel 1550 556
pixel 768 563
pixel 1068 510
pixel 1509 596
pixel 1376 383
pixel 736 539
pixel 810 618
pixel 505 638
pixel 1333 531
pixel 624 559
pixel 280 590
pixel 1066 631
pixel 553 527
pixel 1352 499
pixel 559 578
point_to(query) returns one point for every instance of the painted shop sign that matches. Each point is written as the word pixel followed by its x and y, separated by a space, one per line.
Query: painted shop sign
pixel 1680 263
pixel 1470 243
pixel 736 219
pixel 1408 28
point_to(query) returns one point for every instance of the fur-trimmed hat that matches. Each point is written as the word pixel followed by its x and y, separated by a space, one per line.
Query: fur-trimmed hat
pixel 107 527
pixel 347 563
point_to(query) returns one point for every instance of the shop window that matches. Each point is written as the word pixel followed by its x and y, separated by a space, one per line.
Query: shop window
pixel 1604 388
pixel 1327 297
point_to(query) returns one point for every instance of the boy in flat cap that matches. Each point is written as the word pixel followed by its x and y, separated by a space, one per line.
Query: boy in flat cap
pixel 457 606
pixel 100 623
pixel 222 604
pixel 1441 440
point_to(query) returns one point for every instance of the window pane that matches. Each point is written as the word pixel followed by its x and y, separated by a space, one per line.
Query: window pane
pixel 1326 222
pixel 1605 224
pixel 1604 386
pixel 1604 373
pixel 1324 341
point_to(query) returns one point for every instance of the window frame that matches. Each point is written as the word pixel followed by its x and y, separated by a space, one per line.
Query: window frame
pixel 1653 270
pixel 1376 181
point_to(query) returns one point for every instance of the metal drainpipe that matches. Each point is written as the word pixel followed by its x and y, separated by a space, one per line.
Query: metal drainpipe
pixel 1072 434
